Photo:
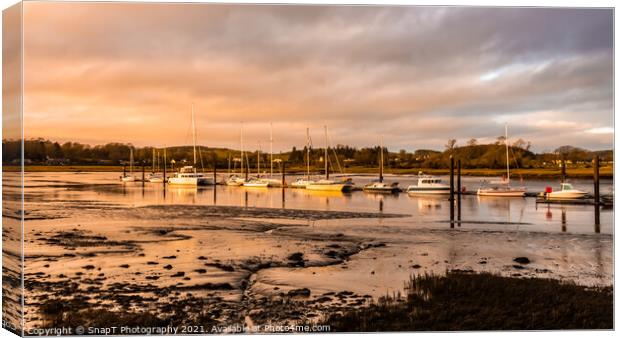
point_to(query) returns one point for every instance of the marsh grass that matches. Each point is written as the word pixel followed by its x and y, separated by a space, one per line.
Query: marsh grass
pixel 464 301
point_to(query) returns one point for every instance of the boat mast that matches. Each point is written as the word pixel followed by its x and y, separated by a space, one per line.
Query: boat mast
pixel 194 134
pixel 381 164
pixel 130 160
pixel 153 163
pixel 258 161
pixel 308 152
pixel 507 156
pixel 271 149
pixel 326 154
pixel 241 148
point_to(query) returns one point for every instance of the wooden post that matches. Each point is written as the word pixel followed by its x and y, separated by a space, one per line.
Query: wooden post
pixel 597 197
pixel 164 172
pixel 124 170
pixel 459 190
pixel 283 174
pixel 143 164
pixel 247 173
pixel 451 191
pixel 214 173
pixel 563 165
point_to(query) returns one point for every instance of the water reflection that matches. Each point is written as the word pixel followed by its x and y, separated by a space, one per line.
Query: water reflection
pixel 424 211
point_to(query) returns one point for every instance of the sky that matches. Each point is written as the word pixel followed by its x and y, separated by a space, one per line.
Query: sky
pixel 415 76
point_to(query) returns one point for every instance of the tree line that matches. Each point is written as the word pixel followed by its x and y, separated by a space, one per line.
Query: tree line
pixel 473 155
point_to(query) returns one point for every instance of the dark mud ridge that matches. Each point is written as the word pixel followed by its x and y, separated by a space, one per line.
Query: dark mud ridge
pixel 241 212
pixel 467 301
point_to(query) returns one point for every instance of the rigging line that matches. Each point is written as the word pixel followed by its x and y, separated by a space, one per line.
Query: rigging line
pixel 335 154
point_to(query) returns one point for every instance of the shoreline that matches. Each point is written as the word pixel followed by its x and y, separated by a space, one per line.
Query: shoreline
pixel 542 173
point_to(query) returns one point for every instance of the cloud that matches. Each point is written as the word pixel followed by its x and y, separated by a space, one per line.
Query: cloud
pixel 103 72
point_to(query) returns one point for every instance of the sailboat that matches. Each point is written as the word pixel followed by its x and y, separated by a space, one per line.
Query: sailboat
pixel 156 177
pixel 379 186
pixel 129 177
pixel 257 182
pixel 234 180
pixel 327 184
pixel 503 188
pixel 188 175
pixel 303 182
pixel 271 181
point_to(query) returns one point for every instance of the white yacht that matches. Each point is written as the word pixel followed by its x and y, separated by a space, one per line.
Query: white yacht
pixel 345 185
pixel 303 182
pixel 379 186
pixel 188 175
pixel 503 188
pixel 428 185
pixel 129 177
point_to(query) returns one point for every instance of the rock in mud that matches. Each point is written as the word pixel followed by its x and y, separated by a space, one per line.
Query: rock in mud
pixel 168 267
pixel 522 260
pixel 304 292
pixel 179 274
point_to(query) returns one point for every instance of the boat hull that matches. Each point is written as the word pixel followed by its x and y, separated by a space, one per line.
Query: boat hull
pixel 189 181
pixel 128 179
pixel 330 187
pixel 428 191
pixel 566 195
pixel 501 193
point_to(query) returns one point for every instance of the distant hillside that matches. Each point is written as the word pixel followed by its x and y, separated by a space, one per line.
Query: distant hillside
pixel 493 156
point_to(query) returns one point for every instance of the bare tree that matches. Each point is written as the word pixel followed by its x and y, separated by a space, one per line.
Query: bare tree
pixel 501 140
pixel 451 144
pixel 472 142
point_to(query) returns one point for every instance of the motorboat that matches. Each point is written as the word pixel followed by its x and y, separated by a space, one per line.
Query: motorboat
pixel 188 175
pixel 428 185
pixel 566 192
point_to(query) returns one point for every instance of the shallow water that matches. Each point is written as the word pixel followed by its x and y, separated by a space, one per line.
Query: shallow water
pixel 172 245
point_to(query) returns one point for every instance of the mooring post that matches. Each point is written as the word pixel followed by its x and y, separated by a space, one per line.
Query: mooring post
pixel 459 190
pixel 247 174
pixel 283 164
pixel 451 191
pixel 597 197
pixel 563 166
pixel 124 170
pixel 143 164
pixel 214 173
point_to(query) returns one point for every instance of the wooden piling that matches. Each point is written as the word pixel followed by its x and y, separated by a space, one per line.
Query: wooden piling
pixel 597 197
pixel 563 166
pixel 283 164
pixel 143 179
pixel 124 170
pixel 214 174
pixel 164 172
pixel 459 190
pixel 451 192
